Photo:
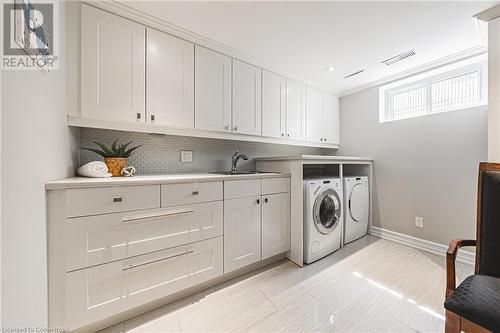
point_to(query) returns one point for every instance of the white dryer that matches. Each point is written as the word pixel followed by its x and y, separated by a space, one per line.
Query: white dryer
pixel 322 217
pixel 357 202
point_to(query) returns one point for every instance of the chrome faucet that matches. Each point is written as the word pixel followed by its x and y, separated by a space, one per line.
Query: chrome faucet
pixel 235 159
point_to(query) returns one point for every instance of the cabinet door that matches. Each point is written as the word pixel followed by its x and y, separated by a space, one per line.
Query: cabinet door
pixel 314 127
pixel 112 67
pixel 170 80
pixel 331 119
pixel 241 232
pixel 295 110
pixel 247 103
pixel 273 105
pixel 275 224
pixel 212 90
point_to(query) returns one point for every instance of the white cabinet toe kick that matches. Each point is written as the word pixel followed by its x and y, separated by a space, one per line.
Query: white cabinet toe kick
pixel 116 250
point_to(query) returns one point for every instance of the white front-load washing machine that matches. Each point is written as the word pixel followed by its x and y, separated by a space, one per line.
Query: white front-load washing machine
pixel 322 217
pixel 357 201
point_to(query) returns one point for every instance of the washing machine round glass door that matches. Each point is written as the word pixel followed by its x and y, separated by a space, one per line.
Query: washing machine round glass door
pixel 327 211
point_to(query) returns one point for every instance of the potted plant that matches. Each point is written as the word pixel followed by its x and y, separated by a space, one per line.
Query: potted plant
pixel 115 156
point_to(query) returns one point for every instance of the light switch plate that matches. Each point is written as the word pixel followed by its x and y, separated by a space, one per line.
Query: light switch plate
pixel 186 156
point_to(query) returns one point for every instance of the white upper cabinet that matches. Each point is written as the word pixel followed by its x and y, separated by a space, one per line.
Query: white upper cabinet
pixel 247 101
pixel 295 110
pixel 212 90
pixel 139 78
pixel 314 125
pixel 112 67
pixel 331 119
pixel 322 123
pixel 170 80
pixel 273 105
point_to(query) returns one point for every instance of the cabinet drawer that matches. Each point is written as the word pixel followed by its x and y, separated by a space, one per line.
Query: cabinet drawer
pixel 241 188
pixel 92 201
pixel 100 239
pixel 179 194
pixel 99 292
pixel 276 185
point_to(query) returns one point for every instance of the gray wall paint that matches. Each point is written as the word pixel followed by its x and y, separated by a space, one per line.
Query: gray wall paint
pixel 424 166
pixel 37 146
pixel 161 153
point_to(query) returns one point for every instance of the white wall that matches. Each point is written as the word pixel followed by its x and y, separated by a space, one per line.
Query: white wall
pixel 0 198
pixel 494 90
pixel 36 146
pixel 424 166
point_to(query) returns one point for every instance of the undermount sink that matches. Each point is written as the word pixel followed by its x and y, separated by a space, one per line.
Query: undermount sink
pixel 231 173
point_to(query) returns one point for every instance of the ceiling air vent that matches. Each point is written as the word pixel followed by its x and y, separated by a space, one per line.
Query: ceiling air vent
pixel 399 57
pixel 354 74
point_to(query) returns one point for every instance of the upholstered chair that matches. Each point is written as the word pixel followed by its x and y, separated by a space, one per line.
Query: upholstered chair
pixel 474 306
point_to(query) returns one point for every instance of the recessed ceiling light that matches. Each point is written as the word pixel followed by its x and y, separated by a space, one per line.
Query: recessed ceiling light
pixel 331 68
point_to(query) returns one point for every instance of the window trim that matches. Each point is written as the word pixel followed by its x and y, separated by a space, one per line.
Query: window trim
pixel 429 78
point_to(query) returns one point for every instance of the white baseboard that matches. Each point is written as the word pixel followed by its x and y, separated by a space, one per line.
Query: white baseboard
pixel 421 244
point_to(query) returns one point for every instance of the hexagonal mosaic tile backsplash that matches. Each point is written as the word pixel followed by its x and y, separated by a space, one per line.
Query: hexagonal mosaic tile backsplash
pixel 160 154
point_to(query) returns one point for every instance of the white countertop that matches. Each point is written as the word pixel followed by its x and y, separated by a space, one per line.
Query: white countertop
pixel 316 157
pixel 83 182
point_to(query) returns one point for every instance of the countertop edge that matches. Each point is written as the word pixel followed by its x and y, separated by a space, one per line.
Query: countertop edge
pixel 83 182
pixel 315 157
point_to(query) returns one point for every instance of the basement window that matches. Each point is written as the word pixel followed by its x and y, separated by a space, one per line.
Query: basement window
pixel 448 88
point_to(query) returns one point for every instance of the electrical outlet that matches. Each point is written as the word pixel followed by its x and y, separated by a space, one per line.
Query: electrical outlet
pixel 186 156
pixel 419 222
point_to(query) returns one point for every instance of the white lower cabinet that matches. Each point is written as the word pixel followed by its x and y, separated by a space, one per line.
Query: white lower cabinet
pixel 241 232
pixel 256 227
pixel 96 293
pixel 99 239
pixel 275 224
pixel 114 249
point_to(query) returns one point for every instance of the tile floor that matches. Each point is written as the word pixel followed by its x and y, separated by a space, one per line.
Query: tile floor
pixel 371 285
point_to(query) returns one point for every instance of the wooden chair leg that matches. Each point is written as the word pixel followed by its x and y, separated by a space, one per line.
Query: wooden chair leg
pixel 452 324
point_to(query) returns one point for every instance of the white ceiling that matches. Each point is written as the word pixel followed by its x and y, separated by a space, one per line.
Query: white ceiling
pixel 304 38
